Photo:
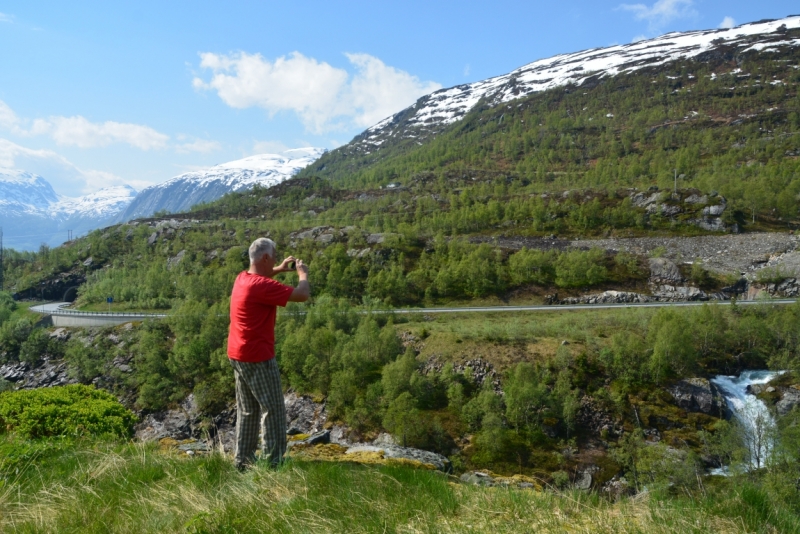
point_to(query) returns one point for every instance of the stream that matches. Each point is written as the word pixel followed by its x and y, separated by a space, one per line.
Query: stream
pixel 751 412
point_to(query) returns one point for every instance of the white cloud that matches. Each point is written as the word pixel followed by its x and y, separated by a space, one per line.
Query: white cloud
pixel 80 132
pixel 66 178
pixel 324 97
pixel 9 119
pixel 378 90
pixel 727 22
pixel 466 69
pixel 661 12
pixel 200 145
pixel 5 17
pixel 638 38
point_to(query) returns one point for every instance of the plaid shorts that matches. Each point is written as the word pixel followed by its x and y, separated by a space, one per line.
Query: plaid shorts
pixel 259 408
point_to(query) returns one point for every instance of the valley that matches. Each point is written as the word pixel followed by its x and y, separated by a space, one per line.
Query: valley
pixel 656 174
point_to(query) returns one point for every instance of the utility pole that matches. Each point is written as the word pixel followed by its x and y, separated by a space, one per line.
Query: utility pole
pixel 69 235
pixel 676 182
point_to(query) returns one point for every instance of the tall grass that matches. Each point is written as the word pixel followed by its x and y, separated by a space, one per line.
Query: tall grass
pixel 104 487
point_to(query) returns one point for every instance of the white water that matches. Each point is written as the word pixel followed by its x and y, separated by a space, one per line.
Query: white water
pixel 751 412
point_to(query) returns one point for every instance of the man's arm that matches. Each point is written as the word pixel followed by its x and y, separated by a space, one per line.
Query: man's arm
pixel 303 291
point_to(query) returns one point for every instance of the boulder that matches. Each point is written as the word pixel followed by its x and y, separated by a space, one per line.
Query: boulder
pixel 664 271
pixel 790 399
pixel 699 395
pixel 303 414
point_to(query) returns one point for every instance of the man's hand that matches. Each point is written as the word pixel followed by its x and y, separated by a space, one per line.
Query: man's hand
pixel 302 270
pixel 284 266
pixel 303 291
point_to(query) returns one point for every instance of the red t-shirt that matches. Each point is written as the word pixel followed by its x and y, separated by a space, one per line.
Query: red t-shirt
pixel 254 302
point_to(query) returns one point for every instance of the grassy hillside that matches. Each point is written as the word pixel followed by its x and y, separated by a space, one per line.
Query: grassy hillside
pixel 105 487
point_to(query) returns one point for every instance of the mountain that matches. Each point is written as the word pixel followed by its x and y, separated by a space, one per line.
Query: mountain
pixel 32 213
pixel 434 113
pixel 182 192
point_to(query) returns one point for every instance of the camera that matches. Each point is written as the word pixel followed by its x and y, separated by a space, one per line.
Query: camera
pixel 292 266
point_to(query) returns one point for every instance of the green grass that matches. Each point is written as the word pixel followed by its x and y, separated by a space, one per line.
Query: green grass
pixel 62 486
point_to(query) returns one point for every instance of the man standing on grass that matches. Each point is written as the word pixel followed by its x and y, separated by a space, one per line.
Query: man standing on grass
pixel 251 350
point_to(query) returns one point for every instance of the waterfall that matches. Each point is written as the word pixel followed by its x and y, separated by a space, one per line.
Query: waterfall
pixel 754 416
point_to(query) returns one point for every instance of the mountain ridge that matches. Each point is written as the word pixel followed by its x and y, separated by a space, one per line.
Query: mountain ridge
pixel 186 190
pixel 433 113
pixel 32 213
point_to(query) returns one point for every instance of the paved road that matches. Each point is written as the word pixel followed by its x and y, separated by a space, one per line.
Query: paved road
pixel 560 307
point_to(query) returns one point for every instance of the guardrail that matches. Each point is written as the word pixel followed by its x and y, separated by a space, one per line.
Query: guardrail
pixel 78 313
pixel 61 311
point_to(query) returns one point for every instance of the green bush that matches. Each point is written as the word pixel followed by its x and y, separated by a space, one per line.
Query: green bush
pixel 74 410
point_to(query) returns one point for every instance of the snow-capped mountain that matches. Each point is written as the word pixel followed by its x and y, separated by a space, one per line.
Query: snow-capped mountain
pixel 433 112
pixel 32 213
pixel 182 192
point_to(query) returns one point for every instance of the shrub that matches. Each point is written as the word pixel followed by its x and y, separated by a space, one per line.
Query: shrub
pixel 74 410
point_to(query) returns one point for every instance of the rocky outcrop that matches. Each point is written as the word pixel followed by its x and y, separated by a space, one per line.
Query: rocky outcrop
pixel 789 399
pixel 606 297
pixel 437 461
pixel 303 414
pixel 43 374
pixel 480 369
pixel 699 395
pixel 664 271
pixel 667 283
pixel 593 417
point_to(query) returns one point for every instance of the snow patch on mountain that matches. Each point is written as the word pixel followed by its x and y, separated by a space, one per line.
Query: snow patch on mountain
pixel 182 192
pixel 32 213
pixel 434 111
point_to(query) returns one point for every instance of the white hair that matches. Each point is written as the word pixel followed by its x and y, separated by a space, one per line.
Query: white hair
pixel 261 246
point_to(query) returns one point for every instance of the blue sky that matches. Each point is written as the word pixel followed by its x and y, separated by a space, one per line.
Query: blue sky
pixel 94 94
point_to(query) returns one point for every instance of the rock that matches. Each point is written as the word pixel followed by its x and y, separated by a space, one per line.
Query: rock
pixel 175 260
pixel 178 424
pixel 405 453
pixel 664 271
pixel 584 481
pixel 696 199
pixel 60 334
pixel 641 200
pixel 376 239
pixel 174 424
pixel 304 414
pixel 193 446
pixel 606 297
pixel 384 439
pixel 739 288
pixel 88 262
pixel 790 399
pixel 714 211
pixel 477 478
pixel 323 436
pixel 699 395
pixel 152 239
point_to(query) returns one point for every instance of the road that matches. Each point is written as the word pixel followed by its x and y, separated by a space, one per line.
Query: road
pixel 562 307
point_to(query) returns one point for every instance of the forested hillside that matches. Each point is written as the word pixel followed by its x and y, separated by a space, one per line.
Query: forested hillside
pixel 725 122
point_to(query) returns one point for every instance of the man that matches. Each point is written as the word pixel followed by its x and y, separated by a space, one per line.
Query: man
pixel 251 351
